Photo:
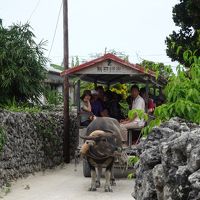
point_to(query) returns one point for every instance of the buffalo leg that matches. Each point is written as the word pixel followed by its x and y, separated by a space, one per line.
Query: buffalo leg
pixel 112 179
pixel 99 173
pixel 107 184
pixel 108 187
pixel 93 179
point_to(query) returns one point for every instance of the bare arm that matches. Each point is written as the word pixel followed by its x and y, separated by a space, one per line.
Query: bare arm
pixel 87 107
pixel 128 120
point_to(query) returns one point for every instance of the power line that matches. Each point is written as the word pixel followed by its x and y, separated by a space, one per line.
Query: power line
pixel 55 30
pixel 152 54
pixel 34 10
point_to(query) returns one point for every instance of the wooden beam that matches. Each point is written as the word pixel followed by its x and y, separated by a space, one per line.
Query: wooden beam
pixel 66 142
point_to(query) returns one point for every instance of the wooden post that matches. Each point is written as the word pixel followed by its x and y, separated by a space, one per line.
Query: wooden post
pixel 78 102
pixel 147 95
pixel 78 95
pixel 66 142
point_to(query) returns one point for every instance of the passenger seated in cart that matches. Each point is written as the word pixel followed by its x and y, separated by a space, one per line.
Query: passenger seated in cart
pixel 138 103
pixel 86 114
pixel 101 92
pixel 111 102
pixel 97 105
pixel 160 99
pixel 129 101
pixel 151 105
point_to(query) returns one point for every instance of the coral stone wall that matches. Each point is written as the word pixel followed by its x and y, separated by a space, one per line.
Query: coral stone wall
pixel 33 142
pixel 169 167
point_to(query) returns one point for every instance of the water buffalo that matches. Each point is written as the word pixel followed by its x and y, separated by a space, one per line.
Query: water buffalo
pixel 103 143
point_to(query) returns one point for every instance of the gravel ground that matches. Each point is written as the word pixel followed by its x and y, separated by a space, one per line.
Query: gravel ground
pixel 64 183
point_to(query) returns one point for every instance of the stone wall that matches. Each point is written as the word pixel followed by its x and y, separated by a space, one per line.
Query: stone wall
pixel 34 142
pixel 169 167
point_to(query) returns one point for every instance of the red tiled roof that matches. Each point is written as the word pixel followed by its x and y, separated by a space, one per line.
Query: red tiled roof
pixel 103 58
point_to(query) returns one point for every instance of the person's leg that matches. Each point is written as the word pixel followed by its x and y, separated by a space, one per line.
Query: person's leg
pixel 124 128
pixel 123 132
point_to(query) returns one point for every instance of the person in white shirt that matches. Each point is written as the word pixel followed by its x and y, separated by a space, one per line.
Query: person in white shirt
pixel 138 103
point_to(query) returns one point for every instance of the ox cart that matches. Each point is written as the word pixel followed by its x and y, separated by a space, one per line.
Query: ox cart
pixel 109 70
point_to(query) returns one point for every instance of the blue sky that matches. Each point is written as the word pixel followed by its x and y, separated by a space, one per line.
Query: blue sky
pixel 137 28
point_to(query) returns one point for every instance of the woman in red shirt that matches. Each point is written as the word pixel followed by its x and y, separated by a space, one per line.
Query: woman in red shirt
pixel 151 105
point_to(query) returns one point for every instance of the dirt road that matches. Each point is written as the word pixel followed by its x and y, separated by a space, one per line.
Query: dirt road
pixel 63 183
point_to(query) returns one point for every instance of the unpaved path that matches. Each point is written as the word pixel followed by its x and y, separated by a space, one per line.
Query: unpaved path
pixel 63 183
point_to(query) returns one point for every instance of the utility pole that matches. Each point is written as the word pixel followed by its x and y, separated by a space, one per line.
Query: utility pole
pixel 66 142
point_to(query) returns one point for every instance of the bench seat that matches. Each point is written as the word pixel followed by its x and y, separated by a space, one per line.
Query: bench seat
pixel 134 133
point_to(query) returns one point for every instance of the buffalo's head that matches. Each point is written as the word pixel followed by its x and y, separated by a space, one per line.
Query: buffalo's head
pixel 100 143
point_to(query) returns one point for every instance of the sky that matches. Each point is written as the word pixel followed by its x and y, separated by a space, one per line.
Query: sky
pixel 136 28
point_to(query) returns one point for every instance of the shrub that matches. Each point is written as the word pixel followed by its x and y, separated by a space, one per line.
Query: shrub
pixel 21 64
pixel 182 94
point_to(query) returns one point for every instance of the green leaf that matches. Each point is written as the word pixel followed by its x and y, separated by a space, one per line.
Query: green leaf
pixel 178 50
pixel 133 160
pixel 185 55
pixel 130 176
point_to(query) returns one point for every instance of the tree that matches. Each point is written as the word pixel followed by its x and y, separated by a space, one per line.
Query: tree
pixel 161 69
pixel 55 66
pixel 182 95
pixel 21 64
pixel 72 63
pixel 77 63
pixel 119 54
pixel 186 15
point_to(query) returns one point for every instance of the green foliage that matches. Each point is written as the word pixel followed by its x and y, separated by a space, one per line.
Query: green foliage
pixel 21 64
pixel 130 176
pixel 159 68
pixel 72 62
pixel 131 162
pixel 75 61
pixel 151 125
pixel 14 106
pixel 182 94
pixel 2 138
pixel 124 107
pixel 119 54
pixel 23 108
pixel 5 189
pixel 186 15
pixel 53 97
pixel 86 86
pixel 59 67
pixel 137 112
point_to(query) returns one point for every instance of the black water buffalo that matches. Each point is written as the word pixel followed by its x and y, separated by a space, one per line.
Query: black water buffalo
pixel 103 143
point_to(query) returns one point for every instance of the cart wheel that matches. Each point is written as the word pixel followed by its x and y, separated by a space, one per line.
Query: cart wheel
pixel 86 168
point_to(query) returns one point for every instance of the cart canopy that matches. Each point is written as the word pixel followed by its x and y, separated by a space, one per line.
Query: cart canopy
pixel 110 69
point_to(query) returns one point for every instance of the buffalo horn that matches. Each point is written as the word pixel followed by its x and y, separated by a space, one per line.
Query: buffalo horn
pixel 88 137
pixel 94 135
